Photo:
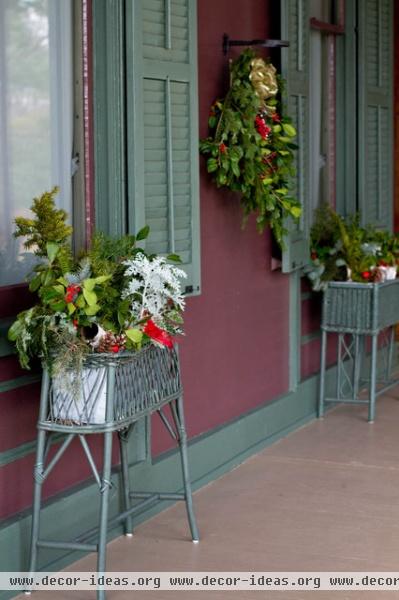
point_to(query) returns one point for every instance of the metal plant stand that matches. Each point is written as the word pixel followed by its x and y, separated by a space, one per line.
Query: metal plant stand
pixel 357 312
pixel 110 395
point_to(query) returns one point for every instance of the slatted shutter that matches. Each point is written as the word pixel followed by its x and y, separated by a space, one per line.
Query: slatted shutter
pixel 162 128
pixel 295 68
pixel 375 111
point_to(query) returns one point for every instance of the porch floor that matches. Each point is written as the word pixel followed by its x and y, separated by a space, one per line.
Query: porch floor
pixel 324 498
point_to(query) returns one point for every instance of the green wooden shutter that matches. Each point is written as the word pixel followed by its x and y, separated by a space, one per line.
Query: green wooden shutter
pixel 109 116
pixel 375 111
pixel 295 69
pixel 163 128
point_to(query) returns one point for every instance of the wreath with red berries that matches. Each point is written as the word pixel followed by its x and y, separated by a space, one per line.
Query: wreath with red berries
pixel 250 148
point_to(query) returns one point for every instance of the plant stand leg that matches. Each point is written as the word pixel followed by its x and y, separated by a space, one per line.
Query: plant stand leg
pixel 391 350
pixel 320 411
pixel 356 367
pixel 104 491
pixel 106 479
pixel 38 474
pixel 373 378
pixel 178 415
pixel 123 446
pixel 339 365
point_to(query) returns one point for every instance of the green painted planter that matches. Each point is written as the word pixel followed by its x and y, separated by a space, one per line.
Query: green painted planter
pixel 360 308
pixel 354 311
pixel 110 394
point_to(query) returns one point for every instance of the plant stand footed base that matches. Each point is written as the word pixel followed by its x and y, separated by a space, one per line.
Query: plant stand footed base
pixel 115 393
pixel 357 313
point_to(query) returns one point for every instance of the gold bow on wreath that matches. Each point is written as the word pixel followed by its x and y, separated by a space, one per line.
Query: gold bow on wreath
pixel 264 81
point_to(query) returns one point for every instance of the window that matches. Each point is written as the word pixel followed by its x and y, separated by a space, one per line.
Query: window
pixel 152 161
pixel 36 116
pixel 339 93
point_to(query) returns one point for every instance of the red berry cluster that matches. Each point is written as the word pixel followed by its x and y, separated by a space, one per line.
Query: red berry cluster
pixel 261 127
pixel 222 148
pixel 72 292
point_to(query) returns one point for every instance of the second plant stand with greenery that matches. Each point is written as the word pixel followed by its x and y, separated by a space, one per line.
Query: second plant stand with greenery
pixel 127 387
pixel 356 312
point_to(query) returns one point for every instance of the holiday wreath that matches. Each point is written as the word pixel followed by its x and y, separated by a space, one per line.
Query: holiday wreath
pixel 250 146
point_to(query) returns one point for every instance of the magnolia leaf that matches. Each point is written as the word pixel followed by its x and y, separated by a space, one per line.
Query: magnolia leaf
pixel 285 140
pixel 92 310
pixel 89 284
pixel 90 297
pixel 174 258
pixel 143 233
pixel 80 302
pixel 14 331
pixel 289 129
pixel 58 306
pixel 136 335
pixel 59 288
pixel 212 165
pixel 48 278
pixel 296 211
pixel 71 308
pixel 52 250
pixel 35 283
pixel 101 279
pixel 235 168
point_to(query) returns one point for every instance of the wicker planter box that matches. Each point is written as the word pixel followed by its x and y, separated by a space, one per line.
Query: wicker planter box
pixel 143 381
pixel 353 311
pixel 363 308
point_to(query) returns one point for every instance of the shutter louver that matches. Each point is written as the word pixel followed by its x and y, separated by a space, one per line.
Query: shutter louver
pixel 165 187
pixel 375 112
pixel 295 65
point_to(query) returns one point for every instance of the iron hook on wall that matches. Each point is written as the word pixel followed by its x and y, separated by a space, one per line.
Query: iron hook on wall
pixel 227 43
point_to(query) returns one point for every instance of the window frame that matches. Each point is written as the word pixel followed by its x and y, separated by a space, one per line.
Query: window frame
pixel 16 297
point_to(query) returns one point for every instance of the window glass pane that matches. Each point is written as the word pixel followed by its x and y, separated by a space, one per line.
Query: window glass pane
pixel 35 116
pixel 323 10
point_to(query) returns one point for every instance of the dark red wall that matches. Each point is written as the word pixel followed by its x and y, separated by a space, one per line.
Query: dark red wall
pixel 234 356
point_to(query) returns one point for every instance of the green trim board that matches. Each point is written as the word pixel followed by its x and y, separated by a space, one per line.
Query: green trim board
pixel 211 455
pixel 13 384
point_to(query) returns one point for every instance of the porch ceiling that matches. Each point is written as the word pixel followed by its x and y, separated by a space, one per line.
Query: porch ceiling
pixel 325 498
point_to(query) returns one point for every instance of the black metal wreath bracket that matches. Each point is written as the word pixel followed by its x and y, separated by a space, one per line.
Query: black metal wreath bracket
pixel 227 43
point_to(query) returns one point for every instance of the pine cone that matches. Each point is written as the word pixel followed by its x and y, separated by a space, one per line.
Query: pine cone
pixel 111 342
